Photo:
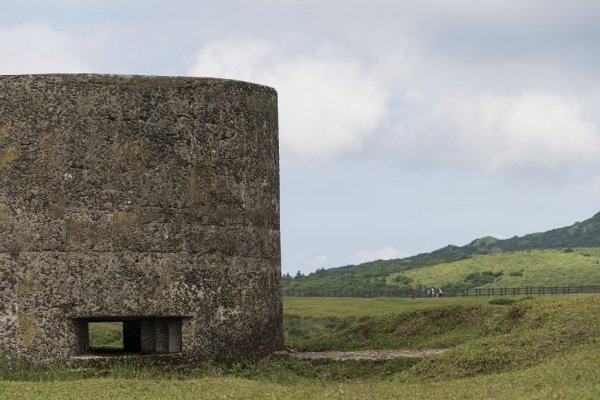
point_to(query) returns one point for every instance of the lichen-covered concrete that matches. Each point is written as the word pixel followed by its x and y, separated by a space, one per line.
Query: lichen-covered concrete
pixel 131 196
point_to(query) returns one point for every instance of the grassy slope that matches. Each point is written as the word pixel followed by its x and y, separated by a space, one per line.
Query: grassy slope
pixel 372 275
pixel 437 327
pixel 558 379
pixel 546 347
pixel 538 267
pixel 548 267
pixel 310 317
pixel 484 339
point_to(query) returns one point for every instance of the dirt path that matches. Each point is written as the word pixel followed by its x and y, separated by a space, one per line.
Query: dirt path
pixel 371 355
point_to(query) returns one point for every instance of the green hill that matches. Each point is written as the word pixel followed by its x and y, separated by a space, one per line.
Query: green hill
pixel 394 274
pixel 528 268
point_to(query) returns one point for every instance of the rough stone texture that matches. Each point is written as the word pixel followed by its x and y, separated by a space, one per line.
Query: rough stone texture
pixel 132 196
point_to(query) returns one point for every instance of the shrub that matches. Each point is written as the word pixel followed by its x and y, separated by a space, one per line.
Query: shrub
pixel 526 298
pixel 475 279
pixel 402 279
pixel 502 301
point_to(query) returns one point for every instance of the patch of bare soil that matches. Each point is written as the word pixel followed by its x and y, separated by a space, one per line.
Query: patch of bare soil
pixel 367 355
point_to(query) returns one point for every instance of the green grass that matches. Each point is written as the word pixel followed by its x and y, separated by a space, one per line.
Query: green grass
pixel 106 335
pixel 439 327
pixel 529 268
pixel 545 347
pixel 574 376
pixel 371 307
pixel 307 318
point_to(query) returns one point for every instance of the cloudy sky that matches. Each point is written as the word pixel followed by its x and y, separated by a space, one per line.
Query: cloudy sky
pixel 404 125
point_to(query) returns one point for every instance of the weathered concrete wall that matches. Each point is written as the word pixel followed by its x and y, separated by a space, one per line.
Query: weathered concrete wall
pixel 131 196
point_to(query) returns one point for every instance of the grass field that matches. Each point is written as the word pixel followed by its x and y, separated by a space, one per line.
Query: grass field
pixel 575 376
pixel 518 269
pixel 371 307
pixel 546 347
pixel 307 318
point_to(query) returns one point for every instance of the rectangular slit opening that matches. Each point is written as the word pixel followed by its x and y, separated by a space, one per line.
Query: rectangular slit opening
pixel 114 336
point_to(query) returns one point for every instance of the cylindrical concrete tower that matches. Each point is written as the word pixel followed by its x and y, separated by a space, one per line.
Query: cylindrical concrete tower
pixel 152 202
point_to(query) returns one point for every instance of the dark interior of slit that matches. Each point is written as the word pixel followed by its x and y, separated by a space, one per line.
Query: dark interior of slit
pixel 129 336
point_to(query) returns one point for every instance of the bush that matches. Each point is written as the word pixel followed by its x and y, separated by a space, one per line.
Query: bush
pixel 502 302
pixel 475 279
pixel 516 273
pixel 402 279
pixel 526 298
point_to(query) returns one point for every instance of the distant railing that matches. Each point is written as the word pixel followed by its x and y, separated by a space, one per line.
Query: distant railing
pixel 413 294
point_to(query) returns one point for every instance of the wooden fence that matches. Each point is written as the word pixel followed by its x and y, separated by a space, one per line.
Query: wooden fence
pixel 413 294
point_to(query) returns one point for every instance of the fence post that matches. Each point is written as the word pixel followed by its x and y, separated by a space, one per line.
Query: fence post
pixel 413 294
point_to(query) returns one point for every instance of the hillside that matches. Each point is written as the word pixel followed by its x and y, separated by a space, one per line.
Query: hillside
pixel 376 275
pixel 528 268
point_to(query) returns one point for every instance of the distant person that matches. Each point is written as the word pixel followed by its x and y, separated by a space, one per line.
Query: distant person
pixel 428 292
pixel 440 292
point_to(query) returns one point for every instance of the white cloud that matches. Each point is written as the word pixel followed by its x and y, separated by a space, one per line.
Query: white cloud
pixel 384 253
pixel 522 117
pixel 534 130
pixel 33 48
pixel 327 105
